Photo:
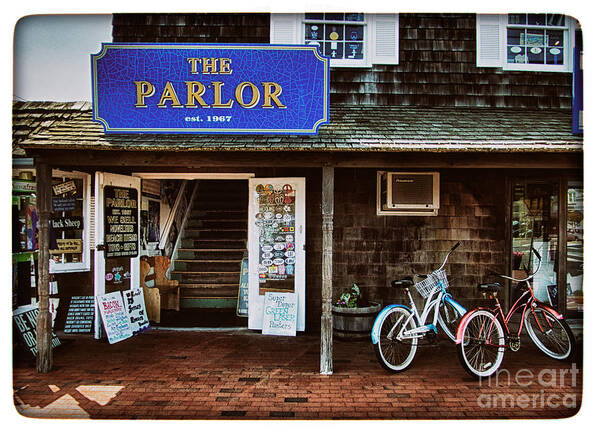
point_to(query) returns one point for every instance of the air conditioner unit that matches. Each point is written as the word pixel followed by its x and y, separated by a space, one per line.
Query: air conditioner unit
pixel 414 192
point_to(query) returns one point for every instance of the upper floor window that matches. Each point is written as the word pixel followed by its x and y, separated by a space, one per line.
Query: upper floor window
pixel 531 42
pixel 348 39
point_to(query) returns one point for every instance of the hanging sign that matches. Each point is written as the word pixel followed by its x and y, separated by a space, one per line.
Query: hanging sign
pixel 67 223
pixel 280 314
pixel 114 317
pixel 136 309
pixel 64 204
pixel 120 222
pixel 66 187
pixel 67 246
pixel 210 88
pixel 25 322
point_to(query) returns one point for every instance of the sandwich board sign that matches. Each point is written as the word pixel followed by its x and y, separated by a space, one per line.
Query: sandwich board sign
pixel 114 317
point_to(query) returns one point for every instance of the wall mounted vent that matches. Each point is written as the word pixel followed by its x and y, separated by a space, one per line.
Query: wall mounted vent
pixel 408 193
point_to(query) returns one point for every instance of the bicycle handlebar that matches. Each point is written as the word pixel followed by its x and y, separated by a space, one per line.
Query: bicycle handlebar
pixel 518 280
pixel 454 247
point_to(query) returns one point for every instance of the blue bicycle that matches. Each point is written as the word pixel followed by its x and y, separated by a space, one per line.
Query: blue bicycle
pixel 398 328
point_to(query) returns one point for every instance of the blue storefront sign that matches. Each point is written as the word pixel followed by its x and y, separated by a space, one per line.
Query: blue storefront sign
pixel 210 88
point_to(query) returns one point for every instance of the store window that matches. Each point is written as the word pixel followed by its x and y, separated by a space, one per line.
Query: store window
pixel 575 247
pixel 338 35
pixel 348 39
pixel 535 225
pixel 532 42
pixel 69 220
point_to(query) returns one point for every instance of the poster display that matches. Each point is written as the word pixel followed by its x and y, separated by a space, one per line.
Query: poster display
pixel 120 222
pixel 276 221
pixel 280 314
pixel 114 317
pixel 25 323
pixel 136 309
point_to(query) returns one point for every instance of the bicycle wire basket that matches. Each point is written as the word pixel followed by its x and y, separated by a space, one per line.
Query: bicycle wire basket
pixel 430 283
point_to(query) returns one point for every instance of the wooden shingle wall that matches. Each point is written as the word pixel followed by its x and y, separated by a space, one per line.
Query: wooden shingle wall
pixel 437 54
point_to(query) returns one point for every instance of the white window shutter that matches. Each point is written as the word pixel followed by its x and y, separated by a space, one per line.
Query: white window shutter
pixel 489 41
pixel 383 30
pixel 285 28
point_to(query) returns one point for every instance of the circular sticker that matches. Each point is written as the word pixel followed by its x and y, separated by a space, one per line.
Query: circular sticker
pixel 290 260
pixel 258 215
pixel 279 215
pixel 268 215
pixel 515 49
pixel 268 189
pixel 260 189
pixel 290 253
pixel 279 246
pixel 535 50
pixel 287 189
pixel 334 36
pixel 287 217
pixel 267 248
pixel 109 276
pixel 262 269
pixel 267 255
pixel 554 51
pixel 267 262
pixel 289 238
pixel 278 261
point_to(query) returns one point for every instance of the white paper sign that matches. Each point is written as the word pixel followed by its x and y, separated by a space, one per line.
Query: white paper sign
pixel 136 309
pixel 114 317
pixel 280 314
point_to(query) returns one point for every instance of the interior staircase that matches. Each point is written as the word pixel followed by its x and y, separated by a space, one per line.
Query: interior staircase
pixel 213 243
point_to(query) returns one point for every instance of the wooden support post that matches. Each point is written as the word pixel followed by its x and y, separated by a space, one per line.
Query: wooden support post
pixel 327 272
pixel 44 319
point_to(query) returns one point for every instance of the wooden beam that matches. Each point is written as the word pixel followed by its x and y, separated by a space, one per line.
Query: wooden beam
pixel 44 319
pixel 189 161
pixel 327 272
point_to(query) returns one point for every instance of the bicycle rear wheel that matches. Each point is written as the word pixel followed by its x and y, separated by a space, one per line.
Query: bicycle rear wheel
pixel 482 346
pixel 449 317
pixel 394 352
pixel 550 334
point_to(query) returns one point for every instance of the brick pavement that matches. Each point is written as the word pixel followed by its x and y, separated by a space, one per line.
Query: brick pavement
pixel 234 375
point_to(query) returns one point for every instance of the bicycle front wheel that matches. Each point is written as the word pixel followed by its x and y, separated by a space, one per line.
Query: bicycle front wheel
pixel 482 346
pixel 550 334
pixel 449 317
pixel 395 351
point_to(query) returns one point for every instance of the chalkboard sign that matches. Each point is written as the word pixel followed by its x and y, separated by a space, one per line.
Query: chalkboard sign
pixel 120 221
pixel 25 319
pixel 63 204
pixel 136 309
pixel 280 314
pixel 80 316
pixel 242 302
pixel 114 317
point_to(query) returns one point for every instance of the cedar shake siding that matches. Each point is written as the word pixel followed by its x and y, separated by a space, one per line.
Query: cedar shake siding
pixel 437 61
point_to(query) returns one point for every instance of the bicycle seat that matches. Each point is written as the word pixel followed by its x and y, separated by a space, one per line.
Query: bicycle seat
pixel 405 282
pixel 489 287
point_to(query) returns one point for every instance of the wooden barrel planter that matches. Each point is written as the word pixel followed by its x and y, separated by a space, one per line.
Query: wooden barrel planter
pixel 354 323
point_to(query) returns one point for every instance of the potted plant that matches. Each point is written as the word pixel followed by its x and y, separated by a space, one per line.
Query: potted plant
pixel 353 315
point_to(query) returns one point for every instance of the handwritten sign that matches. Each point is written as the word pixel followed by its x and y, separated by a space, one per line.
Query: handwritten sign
pixel 280 314
pixel 120 222
pixel 242 303
pixel 67 246
pixel 25 320
pixel 80 316
pixel 66 187
pixel 114 317
pixel 136 309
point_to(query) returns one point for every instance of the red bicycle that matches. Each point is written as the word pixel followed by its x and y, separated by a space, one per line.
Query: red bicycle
pixel 483 333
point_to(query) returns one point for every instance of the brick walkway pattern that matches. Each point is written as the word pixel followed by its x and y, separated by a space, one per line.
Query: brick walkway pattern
pixel 240 374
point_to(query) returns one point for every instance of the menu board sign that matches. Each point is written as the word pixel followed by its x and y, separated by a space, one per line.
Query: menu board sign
pixel 280 314
pixel 114 316
pixel 242 304
pixel 81 315
pixel 120 222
